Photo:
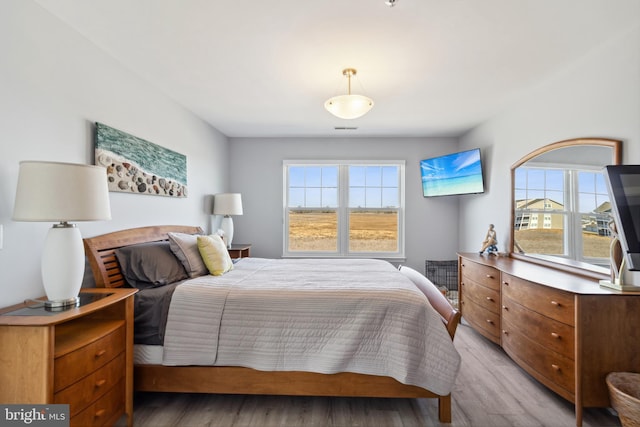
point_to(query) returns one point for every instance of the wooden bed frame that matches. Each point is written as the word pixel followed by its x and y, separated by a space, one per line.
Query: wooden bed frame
pixel 100 251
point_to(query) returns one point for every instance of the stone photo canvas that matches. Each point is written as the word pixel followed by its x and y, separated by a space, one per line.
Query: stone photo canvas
pixel 137 166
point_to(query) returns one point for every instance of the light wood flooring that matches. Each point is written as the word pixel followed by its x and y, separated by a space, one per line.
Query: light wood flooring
pixel 480 398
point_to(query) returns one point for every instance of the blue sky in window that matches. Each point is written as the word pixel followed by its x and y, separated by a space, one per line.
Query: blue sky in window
pixel 531 183
pixel 369 186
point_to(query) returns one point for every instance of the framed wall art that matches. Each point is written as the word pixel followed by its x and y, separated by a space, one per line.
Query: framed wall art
pixel 137 166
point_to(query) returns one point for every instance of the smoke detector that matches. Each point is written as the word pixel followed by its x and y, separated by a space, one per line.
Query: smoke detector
pixel 390 3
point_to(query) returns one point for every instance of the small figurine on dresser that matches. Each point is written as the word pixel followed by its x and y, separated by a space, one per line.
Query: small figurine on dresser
pixel 490 242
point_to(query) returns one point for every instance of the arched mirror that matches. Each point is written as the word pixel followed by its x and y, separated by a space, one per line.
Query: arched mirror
pixel 560 207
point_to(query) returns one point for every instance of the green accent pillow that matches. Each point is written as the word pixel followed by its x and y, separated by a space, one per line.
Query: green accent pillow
pixel 214 254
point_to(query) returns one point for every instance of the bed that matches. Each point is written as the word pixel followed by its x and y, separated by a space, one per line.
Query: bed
pixel 273 374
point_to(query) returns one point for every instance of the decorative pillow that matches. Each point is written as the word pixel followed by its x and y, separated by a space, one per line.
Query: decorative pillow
pixel 185 248
pixel 214 254
pixel 148 265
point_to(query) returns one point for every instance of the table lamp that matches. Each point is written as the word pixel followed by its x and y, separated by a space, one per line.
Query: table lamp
pixel 227 204
pixel 62 192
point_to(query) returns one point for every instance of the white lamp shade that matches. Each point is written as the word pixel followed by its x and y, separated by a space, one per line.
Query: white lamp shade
pixel 227 204
pixel 349 106
pixel 49 191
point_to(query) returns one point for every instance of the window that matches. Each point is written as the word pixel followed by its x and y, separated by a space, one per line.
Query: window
pixel 344 208
pixel 575 208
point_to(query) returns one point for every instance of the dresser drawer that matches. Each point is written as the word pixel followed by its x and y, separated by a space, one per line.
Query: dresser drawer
pixel 81 362
pixel 104 410
pixel 550 302
pixel 549 333
pixel 482 274
pixel 79 395
pixel 484 321
pixel 558 370
pixel 485 297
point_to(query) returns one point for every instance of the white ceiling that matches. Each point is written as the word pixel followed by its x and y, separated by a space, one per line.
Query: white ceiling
pixel 265 68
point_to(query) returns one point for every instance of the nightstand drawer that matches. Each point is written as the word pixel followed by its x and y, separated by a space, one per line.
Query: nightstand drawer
pixel 90 388
pixel 72 366
pixel 102 411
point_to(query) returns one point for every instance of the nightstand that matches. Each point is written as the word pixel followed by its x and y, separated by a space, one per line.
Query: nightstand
pixel 239 250
pixel 82 356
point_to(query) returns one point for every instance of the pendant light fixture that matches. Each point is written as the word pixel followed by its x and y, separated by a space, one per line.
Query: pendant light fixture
pixel 349 106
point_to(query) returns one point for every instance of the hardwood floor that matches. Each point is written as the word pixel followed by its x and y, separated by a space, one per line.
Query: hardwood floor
pixel 480 398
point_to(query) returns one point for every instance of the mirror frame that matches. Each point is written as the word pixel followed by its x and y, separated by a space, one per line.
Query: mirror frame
pixel 567 265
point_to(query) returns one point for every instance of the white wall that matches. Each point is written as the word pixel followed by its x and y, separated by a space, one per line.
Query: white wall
pixel 256 172
pixel 54 85
pixel 598 96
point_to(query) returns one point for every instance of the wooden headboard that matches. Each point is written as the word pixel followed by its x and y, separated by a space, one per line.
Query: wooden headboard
pixel 100 250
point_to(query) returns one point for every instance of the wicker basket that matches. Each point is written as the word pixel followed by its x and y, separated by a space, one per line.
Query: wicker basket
pixel 624 390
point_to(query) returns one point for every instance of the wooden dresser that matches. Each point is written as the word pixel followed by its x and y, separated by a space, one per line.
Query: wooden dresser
pixel 564 330
pixel 82 356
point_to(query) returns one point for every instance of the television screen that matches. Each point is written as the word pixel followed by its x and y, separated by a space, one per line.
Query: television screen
pixel 457 173
pixel 623 183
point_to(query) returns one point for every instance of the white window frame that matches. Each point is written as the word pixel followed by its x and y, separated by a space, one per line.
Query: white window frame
pixel 573 242
pixel 343 209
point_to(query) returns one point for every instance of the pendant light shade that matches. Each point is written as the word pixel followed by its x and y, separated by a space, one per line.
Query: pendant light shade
pixel 349 106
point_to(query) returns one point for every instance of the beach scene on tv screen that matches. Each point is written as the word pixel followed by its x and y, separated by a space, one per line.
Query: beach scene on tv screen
pixel 459 173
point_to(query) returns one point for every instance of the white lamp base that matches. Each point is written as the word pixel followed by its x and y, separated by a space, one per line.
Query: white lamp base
pixel 227 226
pixel 62 265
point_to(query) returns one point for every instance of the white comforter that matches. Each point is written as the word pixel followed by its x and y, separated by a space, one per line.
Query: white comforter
pixel 313 315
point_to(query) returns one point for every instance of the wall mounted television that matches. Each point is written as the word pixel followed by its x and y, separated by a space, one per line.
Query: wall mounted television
pixel 451 174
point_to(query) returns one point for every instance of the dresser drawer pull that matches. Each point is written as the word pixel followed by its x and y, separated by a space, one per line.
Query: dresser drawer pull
pixel 504 282
pixel 556 303
pixel 489 276
pixel 505 332
pixel 99 413
pixel 100 353
pixel 555 367
pixel 490 321
pixel 489 299
pixel 555 335
pixel 505 308
pixel 100 383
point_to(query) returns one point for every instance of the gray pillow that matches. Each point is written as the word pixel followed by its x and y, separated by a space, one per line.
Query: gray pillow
pixel 185 248
pixel 149 265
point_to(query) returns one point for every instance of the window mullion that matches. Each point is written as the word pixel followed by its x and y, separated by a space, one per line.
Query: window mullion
pixel 343 210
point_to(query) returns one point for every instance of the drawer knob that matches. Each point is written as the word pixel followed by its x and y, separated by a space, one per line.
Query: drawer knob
pixel 504 282
pixel 100 353
pixel 556 303
pixel 505 332
pixel 555 335
pixel 555 367
pixel 99 413
pixel 489 276
pixel 504 307
pixel 489 299
pixel 100 383
pixel 490 321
